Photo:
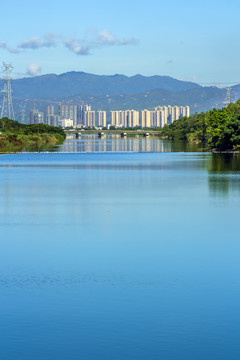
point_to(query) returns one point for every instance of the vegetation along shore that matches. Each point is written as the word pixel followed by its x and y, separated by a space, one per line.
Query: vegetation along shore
pixel 16 137
pixel 219 129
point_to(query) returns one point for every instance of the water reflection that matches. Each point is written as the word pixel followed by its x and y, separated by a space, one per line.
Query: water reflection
pixel 225 163
pixel 114 143
pixel 224 173
pixel 121 250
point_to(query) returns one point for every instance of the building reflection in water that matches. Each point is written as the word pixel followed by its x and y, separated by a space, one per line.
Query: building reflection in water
pixel 114 143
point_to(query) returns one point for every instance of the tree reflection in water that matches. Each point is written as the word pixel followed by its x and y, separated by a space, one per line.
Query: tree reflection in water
pixel 224 173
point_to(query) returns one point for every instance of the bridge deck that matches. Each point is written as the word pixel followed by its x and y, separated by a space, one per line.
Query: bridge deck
pixel 113 132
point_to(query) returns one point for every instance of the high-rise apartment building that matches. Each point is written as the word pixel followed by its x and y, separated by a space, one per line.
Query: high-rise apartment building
pixel 36 117
pixel 132 118
pixel 145 118
pixel 55 120
pixel 155 118
pixel 89 118
pixel 175 113
pixel 122 118
pixel 101 118
pixel 49 113
pixel 127 118
pixel 80 114
pixel 160 118
pixel 118 118
pixel 114 118
pixel 184 111
pixel 73 114
pixel 63 111
pixel 68 112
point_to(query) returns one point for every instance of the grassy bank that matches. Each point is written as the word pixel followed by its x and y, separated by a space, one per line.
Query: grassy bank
pixel 16 137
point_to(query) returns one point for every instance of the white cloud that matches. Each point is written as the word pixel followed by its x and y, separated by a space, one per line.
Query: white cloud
pixel 37 42
pixel 32 43
pixel 106 38
pixel 96 40
pixel 34 70
pixel 93 40
pixel 131 41
pixel 50 40
pixel 77 46
pixel 3 45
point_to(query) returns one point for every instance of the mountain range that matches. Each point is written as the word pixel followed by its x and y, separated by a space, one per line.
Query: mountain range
pixel 80 83
pixel 115 92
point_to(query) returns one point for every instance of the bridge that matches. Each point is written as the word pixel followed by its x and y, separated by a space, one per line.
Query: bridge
pixel 101 133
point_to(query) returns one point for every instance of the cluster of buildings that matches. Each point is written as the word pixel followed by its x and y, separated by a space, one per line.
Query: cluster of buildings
pixel 159 117
pixel 69 116
pixel 84 116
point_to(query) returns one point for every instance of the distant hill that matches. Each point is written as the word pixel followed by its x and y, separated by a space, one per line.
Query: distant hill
pixel 199 99
pixel 80 83
pixel 115 92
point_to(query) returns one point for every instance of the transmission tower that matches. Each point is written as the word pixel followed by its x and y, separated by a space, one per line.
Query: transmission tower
pixel 7 105
pixel 22 112
pixel 228 97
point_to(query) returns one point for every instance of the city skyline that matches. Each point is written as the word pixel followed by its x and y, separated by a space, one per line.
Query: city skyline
pixel 183 40
pixel 83 116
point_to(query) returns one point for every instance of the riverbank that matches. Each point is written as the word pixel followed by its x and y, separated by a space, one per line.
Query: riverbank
pixel 18 142
pixel 219 129
pixel 16 137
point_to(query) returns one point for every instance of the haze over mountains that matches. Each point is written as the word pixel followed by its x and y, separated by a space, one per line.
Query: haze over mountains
pixel 116 92
pixel 80 83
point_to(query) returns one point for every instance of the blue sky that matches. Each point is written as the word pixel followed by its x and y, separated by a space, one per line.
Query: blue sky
pixel 183 39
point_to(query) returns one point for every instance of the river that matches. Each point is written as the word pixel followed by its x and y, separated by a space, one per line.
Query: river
pixel 121 249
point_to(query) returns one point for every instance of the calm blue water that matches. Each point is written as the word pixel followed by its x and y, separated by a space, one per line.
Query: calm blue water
pixel 125 256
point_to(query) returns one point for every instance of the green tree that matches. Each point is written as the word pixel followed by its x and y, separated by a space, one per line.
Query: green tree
pixel 216 123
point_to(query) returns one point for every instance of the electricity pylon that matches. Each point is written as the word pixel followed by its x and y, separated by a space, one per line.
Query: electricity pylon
pixel 7 105
pixel 228 97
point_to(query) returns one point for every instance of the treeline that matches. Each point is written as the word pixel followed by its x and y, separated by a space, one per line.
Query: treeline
pixel 15 136
pixel 218 128
pixel 7 125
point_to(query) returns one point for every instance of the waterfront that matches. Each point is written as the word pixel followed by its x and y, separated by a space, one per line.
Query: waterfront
pixel 119 255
